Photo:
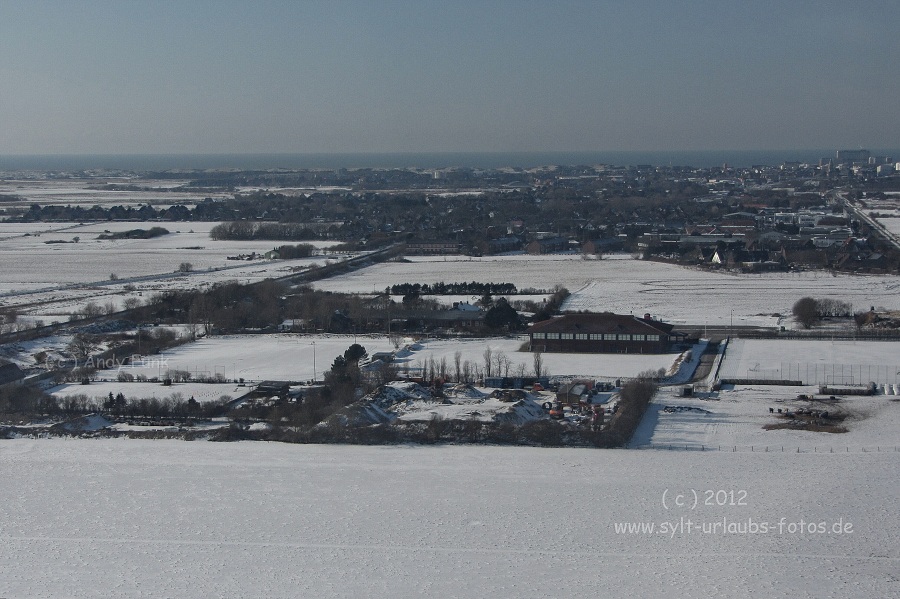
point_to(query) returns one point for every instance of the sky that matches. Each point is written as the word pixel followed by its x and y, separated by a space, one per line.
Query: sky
pixel 297 76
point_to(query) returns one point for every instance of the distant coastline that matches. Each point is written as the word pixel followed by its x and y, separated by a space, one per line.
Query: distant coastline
pixel 425 160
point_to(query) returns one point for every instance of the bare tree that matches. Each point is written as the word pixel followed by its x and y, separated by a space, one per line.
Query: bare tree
pixel 91 309
pixel 82 347
pixel 467 372
pixel 396 340
pixel 501 364
pixel 386 373
pixel 538 363
pixel 488 362
pixel 506 365
pixel 457 362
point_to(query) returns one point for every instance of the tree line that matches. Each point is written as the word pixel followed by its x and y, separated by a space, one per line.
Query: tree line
pixel 31 401
pixel 809 311
pixel 442 288
pixel 252 230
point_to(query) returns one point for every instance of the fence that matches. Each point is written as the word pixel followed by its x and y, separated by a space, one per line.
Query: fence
pixel 768 448
pixel 810 373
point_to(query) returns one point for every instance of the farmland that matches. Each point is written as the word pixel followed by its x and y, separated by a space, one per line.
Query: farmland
pixel 52 280
pixel 170 518
pixel 291 357
pixel 623 285
pixel 91 192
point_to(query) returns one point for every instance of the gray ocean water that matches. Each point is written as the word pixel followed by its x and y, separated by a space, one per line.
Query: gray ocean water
pixel 162 162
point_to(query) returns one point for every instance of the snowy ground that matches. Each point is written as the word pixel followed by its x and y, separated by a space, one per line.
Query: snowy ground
pixel 620 284
pixel 733 420
pixel 682 295
pixel 23 352
pixel 284 357
pixel 50 281
pixel 892 224
pixel 556 364
pixel 202 392
pixel 412 402
pixel 291 357
pixel 40 265
pixel 126 518
pixel 813 362
pixel 75 192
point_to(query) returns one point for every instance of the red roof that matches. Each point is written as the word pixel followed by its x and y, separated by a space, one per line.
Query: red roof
pixel 605 322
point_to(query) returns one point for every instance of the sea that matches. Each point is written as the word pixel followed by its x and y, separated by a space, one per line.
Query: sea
pixel 480 160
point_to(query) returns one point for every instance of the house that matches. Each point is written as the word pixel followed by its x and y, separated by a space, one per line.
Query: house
pixel 504 244
pixel 281 389
pixel 432 248
pixel 500 245
pixel 548 245
pixel 603 333
pixel 744 220
pixel 340 323
pixel 293 325
pixel 450 320
pixel 10 375
pixel 598 246
pixel 385 357
pixel 572 393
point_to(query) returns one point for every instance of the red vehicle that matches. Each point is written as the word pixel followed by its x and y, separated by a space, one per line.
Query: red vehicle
pixel 557 411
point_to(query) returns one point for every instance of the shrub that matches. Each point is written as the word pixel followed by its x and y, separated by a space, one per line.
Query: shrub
pixel 806 312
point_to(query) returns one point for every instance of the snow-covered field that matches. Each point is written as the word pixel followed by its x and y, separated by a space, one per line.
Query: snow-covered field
pixel 76 192
pixel 284 357
pixel 524 271
pixel 290 357
pixel 891 224
pixel 126 518
pixel 733 420
pixel 620 284
pixel 50 281
pixel 56 303
pixel 38 265
pixel 813 362
pixel 202 392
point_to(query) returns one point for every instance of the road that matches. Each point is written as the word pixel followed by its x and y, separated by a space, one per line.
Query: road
pixel 860 213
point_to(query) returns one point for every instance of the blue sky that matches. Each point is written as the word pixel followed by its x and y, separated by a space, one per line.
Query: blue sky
pixel 422 76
